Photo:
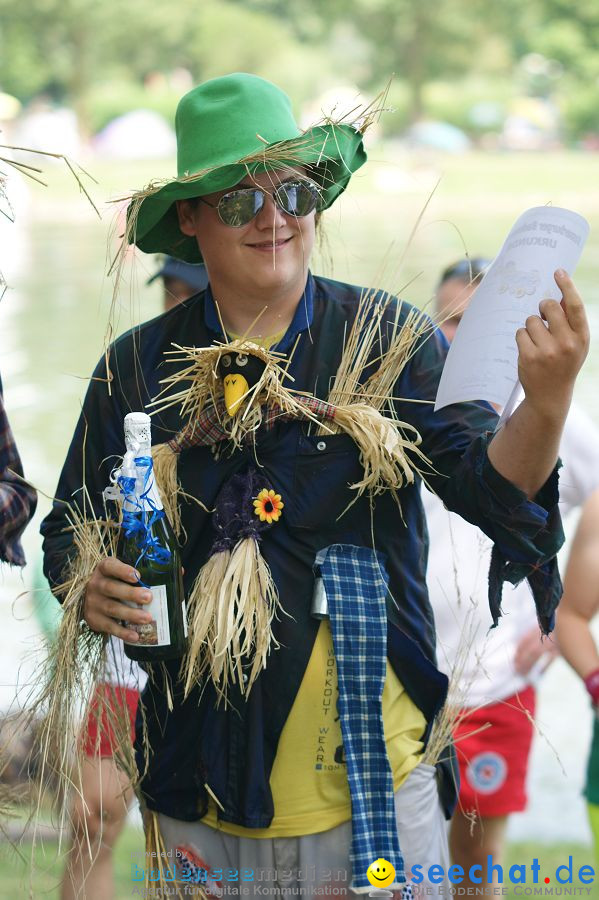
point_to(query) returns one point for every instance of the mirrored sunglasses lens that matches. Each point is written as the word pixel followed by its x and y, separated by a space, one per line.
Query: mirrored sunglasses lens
pixel 297 198
pixel 239 207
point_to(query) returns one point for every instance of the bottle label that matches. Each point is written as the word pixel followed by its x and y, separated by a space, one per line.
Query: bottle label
pixel 157 632
pixel 185 627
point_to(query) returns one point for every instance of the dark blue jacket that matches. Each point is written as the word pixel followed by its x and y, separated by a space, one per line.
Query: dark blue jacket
pixel 232 750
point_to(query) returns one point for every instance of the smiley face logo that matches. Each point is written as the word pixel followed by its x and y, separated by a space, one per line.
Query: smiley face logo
pixel 380 873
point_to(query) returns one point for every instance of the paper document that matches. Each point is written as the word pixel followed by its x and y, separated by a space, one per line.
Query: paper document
pixel 482 363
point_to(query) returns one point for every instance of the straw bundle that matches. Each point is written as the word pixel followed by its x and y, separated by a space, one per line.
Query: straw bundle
pixel 76 658
pixel 364 400
pixel 64 686
pixel 383 447
pixel 231 608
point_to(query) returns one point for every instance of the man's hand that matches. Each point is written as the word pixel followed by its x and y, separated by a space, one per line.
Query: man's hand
pixel 525 450
pixel 103 609
pixel 550 356
pixel 531 648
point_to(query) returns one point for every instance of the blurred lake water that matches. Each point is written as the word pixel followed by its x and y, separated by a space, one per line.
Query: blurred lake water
pixel 54 319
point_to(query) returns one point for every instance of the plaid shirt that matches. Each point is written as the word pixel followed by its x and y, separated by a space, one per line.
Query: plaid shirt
pixel 17 499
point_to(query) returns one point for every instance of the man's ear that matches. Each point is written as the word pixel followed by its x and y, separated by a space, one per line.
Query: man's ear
pixel 186 215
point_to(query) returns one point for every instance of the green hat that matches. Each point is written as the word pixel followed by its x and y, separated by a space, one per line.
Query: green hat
pixel 225 128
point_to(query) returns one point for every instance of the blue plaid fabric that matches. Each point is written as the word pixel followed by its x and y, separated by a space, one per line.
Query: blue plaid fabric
pixel 355 582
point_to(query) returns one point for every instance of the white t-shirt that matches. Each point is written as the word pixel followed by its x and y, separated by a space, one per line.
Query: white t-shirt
pixel 482 660
pixel 120 670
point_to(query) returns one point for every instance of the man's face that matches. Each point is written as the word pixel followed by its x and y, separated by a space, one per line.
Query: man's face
pixel 270 253
pixel 453 297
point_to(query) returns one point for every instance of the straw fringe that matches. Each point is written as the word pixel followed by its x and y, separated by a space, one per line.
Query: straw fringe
pixel 383 447
pixel 202 612
pixel 389 448
pixel 283 153
pixel 232 605
pixel 456 705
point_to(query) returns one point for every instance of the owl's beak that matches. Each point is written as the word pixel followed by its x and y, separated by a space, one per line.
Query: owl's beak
pixel 236 388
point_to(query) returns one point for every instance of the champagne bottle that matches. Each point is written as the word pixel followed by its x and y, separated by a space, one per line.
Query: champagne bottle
pixel 148 544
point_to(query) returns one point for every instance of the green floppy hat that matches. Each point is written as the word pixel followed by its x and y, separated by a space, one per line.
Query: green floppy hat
pixel 226 128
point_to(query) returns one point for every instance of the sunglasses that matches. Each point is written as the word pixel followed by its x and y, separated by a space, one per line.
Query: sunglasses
pixel 295 197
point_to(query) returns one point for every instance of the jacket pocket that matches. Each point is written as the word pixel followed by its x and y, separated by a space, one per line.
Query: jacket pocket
pixel 325 468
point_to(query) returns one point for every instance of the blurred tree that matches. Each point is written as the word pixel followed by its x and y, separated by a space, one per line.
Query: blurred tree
pixel 418 41
pixel 74 44
pixel 61 46
pixel 68 47
pixel 568 32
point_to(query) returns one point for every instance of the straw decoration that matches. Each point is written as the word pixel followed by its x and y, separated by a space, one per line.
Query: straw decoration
pixel 205 389
pixel 76 662
pixel 363 400
pixel 231 607
pixel 234 599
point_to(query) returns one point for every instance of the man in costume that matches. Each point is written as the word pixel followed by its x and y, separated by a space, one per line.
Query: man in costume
pixel 259 779
pixel 494 670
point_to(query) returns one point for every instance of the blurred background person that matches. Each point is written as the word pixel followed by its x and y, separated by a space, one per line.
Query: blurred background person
pixel 180 280
pixel 575 639
pixel 494 672
pixel 103 795
pixel 18 500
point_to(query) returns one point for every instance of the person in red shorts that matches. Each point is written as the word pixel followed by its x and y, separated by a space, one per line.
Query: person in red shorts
pixel 493 671
pixel 102 793
pixel 493 760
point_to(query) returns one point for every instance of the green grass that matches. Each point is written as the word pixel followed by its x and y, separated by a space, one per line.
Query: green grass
pixel 47 867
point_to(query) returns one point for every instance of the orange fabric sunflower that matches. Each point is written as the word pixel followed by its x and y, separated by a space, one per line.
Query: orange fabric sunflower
pixel 268 506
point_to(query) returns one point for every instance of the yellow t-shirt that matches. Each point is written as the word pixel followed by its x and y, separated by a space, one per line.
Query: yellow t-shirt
pixel 308 779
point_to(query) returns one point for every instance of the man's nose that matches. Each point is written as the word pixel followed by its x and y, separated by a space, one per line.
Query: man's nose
pixel 270 216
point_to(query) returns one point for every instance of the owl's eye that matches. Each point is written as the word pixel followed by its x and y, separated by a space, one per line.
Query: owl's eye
pixel 225 361
pixel 241 359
